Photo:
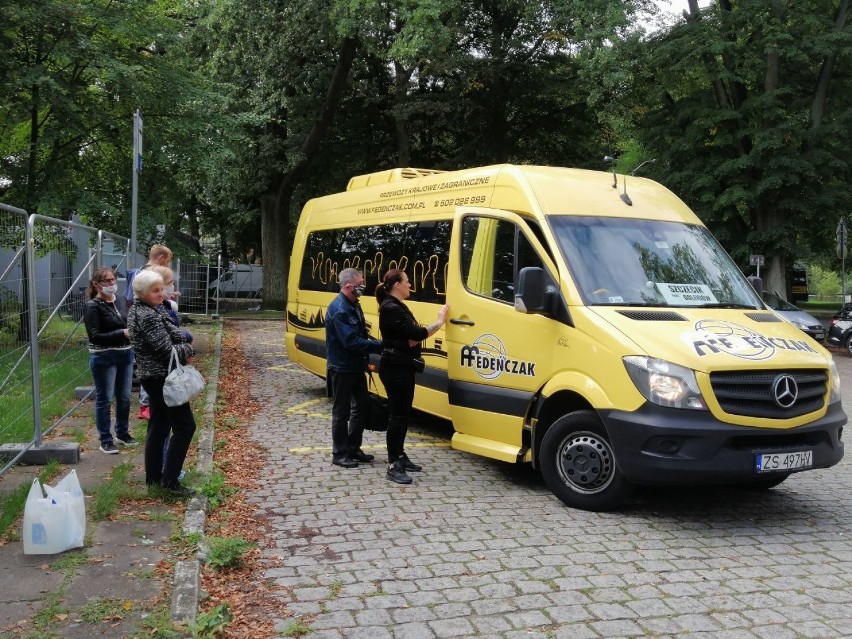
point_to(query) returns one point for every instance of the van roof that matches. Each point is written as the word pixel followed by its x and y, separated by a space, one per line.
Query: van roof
pixel 530 189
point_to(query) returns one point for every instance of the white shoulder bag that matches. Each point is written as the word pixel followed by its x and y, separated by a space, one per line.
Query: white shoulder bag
pixel 183 383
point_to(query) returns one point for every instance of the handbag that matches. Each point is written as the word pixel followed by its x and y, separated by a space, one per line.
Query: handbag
pixel 377 411
pixel 183 383
pixel 403 360
pixel 57 522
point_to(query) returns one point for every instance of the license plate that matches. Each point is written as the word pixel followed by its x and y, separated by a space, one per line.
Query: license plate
pixel 784 462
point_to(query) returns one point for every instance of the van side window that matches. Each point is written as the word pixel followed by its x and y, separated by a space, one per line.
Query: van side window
pixel 493 251
pixel 421 249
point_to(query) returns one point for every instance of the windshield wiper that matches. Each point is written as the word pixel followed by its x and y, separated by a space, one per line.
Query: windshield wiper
pixel 648 304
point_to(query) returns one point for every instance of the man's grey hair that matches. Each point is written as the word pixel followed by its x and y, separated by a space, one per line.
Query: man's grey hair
pixel 348 275
pixel 144 280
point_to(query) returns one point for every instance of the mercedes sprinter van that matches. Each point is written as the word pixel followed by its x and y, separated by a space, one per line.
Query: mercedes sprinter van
pixel 597 329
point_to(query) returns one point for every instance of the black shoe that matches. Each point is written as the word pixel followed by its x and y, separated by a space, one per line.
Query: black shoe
pixel 409 465
pixel 127 440
pixel 361 456
pixel 109 448
pixel 345 462
pixel 396 473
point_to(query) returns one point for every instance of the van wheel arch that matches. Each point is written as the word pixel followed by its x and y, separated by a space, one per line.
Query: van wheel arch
pixel 579 466
pixel 557 405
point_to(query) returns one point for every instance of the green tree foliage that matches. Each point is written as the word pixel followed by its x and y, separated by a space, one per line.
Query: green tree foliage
pixel 72 75
pixel 746 108
pixel 339 87
pixel 823 283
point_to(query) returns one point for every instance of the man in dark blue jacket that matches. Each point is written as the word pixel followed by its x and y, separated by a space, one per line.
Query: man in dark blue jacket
pixel 348 348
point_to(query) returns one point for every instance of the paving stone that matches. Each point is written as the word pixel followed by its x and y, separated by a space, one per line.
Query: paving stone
pixel 458 627
pixel 487 551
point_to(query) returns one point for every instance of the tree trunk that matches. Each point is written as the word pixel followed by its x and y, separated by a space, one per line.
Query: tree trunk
pixel 403 143
pixel 821 93
pixel 274 241
pixel 275 205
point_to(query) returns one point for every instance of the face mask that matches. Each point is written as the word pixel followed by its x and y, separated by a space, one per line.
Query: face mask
pixel 110 290
pixel 358 291
pixel 168 290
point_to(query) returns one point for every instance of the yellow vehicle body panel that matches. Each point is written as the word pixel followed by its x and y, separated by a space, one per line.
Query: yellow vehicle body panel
pixel 503 377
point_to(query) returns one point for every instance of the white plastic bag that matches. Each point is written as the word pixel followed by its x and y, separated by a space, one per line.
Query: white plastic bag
pixel 183 383
pixel 57 522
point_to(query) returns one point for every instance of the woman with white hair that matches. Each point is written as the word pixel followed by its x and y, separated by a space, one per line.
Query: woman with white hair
pixel 153 336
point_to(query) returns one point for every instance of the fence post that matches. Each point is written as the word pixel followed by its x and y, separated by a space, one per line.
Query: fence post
pixel 32 322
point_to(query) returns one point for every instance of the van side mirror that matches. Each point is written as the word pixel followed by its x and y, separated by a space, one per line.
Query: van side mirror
pixel 535 293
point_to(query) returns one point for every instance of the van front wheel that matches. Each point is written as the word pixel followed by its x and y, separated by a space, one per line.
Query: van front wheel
pixel 578 464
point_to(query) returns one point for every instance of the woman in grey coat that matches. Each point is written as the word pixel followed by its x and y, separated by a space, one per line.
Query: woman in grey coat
pixel 153 336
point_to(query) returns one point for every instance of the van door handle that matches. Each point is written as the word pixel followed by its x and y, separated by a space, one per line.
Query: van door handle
pixel 463 322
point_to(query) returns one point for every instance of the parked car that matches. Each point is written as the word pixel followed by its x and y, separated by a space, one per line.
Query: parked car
pixel 840 331
pixel 244 280
pixel 796 316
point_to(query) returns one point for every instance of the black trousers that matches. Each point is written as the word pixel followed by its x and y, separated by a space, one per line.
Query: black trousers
pixel 177 420
pixel 399 384
pixel 348 412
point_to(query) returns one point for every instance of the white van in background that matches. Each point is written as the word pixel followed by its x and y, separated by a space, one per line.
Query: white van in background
pixel 244 280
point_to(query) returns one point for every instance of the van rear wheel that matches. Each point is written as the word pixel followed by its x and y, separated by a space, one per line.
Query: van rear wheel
pixel 578 464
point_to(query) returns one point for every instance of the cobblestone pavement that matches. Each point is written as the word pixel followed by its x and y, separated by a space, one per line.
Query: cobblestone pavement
pixel 479 548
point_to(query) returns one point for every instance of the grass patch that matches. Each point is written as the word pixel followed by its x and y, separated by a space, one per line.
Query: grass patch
pixel 227 552
pixel 63 365
pixel 98 610
pixel 12 503
pixel 296 629
pixel 107 496
pixel 211 623
pixel 215 489
pixel 69 562
pixel 158 625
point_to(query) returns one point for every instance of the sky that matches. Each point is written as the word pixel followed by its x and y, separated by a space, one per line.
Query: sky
pixel 675 8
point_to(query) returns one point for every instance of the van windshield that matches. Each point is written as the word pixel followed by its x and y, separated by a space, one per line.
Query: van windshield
pixel 628 262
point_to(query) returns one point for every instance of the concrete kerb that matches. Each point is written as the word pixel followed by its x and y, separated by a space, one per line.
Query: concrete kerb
pixel 187 575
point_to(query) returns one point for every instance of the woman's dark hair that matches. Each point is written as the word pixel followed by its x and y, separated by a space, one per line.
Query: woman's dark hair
pixel 391 277
pixel 97 278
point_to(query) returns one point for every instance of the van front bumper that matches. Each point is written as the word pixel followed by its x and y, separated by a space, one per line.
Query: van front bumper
pixel 656 445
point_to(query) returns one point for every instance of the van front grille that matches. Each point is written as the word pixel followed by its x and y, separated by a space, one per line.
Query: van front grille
pixel 753 394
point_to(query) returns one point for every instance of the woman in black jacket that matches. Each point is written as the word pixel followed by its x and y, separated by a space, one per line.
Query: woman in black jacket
pixel 401 337
pixel 153 337
pixel 111 358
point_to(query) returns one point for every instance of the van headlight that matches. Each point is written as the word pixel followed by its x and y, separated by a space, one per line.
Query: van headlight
pixel 664 383
pixel 834 378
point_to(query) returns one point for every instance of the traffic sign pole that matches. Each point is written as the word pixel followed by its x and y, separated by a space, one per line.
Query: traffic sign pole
pixel 137 169
pixel 841 253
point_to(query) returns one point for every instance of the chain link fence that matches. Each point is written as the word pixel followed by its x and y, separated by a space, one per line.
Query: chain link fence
pixel 45 268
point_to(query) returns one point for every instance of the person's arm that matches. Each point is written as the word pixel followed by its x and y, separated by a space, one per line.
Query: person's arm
pixel 349 331
pixel 432 328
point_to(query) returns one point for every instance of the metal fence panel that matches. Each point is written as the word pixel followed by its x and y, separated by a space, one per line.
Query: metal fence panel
pixel 16 397
pixel 46 265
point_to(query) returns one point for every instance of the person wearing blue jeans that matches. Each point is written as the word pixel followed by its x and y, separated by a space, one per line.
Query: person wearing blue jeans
pixel 110 360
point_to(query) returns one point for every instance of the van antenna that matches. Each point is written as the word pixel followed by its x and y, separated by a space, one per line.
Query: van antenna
pixel 611 160
pixel 626 198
